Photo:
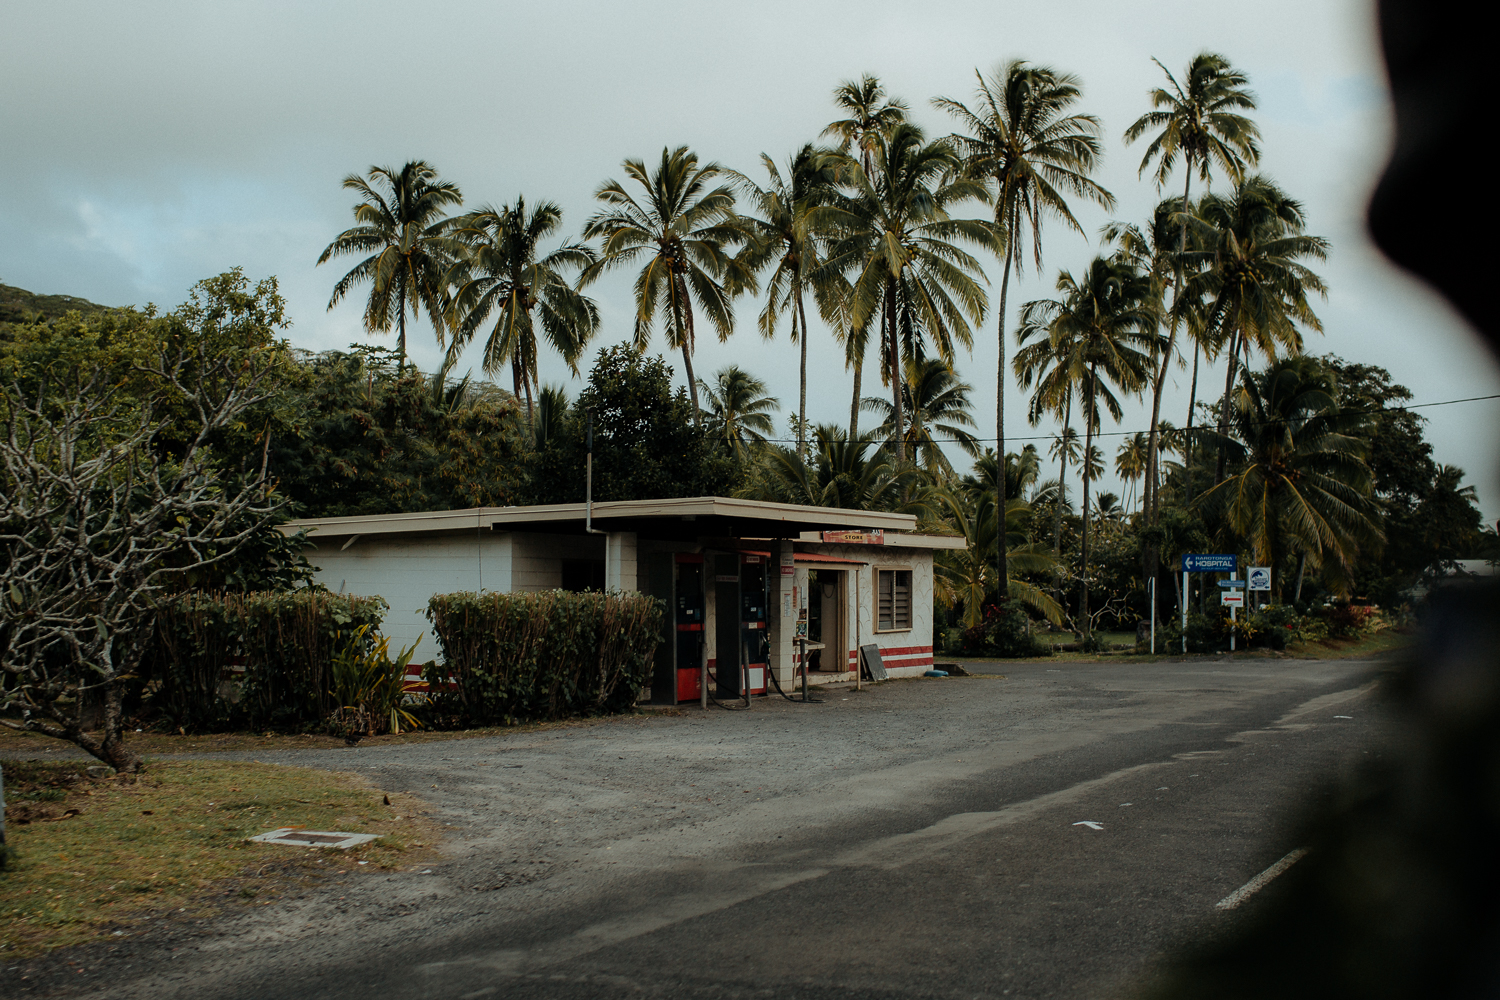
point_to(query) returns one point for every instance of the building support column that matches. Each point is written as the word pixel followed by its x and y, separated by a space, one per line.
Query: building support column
pixel 782 617
pixel 619 561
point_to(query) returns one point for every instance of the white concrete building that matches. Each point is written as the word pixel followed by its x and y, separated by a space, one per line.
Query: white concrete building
pixel 840 578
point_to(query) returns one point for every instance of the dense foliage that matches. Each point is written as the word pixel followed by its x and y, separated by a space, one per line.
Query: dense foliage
pixel 516 657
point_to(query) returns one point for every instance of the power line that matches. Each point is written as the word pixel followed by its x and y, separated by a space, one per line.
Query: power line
pixel 1101 434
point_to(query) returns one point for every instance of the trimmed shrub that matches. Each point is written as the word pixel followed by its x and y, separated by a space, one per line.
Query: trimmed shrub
pixel 1005 632
pixel 258 660
pixel 516 657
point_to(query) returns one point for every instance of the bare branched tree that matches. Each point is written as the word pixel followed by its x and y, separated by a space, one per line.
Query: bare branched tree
pixel 99 515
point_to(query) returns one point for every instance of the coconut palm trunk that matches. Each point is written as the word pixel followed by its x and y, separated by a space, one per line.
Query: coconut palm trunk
pixel 859 364
pixel 1234 358
pixel 1088 442
pixel 897 409
pixel 1002 568
pixel 1062 479
pixel 801 320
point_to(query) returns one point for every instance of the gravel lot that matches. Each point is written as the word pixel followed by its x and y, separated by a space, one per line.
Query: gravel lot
pixel 571 841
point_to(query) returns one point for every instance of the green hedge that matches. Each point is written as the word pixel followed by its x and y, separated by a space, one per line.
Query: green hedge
pixel 258 660
pixel 516 657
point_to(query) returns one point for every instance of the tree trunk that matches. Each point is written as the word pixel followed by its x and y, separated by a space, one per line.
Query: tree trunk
pixel 859 364
pixel 1301 567
pixel 401 339
pixel 1062 478
pixel 800 319
pixel 1187 442
pixel 1224 406
pixel 687 363
pixel 898 413
pixel 1002 567
pixel 682 311
pixel 1088 441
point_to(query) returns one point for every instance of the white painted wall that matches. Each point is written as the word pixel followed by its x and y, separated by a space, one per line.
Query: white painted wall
pixel 407 570
pixel 919 561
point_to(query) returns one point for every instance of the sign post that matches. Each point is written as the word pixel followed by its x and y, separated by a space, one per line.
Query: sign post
pixel 1205 563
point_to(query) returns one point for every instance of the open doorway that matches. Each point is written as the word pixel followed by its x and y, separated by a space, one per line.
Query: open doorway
pixel 827 596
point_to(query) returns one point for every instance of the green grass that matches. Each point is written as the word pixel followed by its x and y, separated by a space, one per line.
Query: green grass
pixel 91 855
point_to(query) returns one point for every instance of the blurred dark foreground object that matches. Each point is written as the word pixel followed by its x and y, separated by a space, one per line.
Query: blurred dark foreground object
pixel 1399 894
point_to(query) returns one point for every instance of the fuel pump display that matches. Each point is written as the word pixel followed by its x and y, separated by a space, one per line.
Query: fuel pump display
pixel 688 612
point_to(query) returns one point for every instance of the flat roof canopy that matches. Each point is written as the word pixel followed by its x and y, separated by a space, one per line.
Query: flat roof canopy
pixel 681 518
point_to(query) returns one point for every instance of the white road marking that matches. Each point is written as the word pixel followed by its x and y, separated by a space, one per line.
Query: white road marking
pixel 1090 824
pixel 1260 881
pixel 1343 716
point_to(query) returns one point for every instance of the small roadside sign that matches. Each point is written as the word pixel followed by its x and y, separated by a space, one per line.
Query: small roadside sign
pixel 1232 584
pixel 1232 599
pixel 1260 578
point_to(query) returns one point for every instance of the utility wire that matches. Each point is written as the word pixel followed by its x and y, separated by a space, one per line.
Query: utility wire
pixel 1180 430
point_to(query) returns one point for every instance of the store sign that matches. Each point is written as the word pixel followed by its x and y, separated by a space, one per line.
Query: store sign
pixel 876 537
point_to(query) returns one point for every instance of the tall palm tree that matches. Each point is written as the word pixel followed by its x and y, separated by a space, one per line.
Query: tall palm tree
pixel 1304 488
pixel 872 117
pixel 908 274
pixel 935 400
pixel 681 234
pixel 792 226
pixel 1199 121
pixel 740 409
pixel 1132 461
pixel 840 472
pixel 967 575
pixel 503 273
pixel 1103 329
pixel 1034 154
pixel 1255 280
pixel 402 225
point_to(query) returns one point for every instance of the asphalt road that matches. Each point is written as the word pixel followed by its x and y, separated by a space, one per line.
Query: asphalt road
pixel 921 839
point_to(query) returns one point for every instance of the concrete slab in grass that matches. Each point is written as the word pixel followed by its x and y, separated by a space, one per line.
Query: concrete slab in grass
pixel 293 837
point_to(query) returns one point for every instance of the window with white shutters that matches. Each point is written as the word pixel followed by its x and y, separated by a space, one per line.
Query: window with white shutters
pixel 893 593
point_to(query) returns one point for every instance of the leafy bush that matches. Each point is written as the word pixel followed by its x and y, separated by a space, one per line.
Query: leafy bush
pixel 1347 621
pixel 1005 632
pixel 259 660
pixel 368 688
pixel 513 657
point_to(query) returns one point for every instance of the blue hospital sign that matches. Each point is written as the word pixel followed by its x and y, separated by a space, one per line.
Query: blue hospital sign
pixel 1201 563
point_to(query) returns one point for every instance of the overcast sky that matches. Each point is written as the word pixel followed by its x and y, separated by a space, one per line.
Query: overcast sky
pixel 148 145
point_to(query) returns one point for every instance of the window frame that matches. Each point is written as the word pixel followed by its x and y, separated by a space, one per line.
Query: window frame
pixel 911 616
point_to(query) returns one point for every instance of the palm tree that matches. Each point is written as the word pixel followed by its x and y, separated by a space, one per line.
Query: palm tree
pixel 791 232
pixel 1256 284
pixel 1199 122
pixel 402 226
pixel 967 575
pixel 908 274
pixel 1132 461
pixel 1102 330
pixel 871 120
pixel 1304 489
pixel 934 399
pixel 681 236
pixel 1034 154
pixel 740 410
pixel 840 472
pixel 501 274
